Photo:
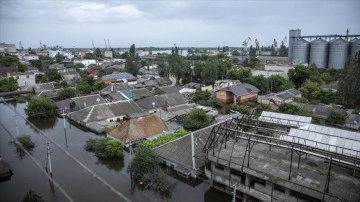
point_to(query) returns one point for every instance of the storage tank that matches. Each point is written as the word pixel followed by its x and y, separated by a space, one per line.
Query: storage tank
pixel 338 52
pixel 319 53
pixel 300 52
pixel 354 46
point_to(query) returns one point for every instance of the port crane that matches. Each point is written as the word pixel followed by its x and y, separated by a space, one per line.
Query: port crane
pixel 105 45
pixel 93 44
pixel 109 44
pixel 246 41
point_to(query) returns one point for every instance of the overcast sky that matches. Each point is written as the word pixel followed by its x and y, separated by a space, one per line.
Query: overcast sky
pixel 163 23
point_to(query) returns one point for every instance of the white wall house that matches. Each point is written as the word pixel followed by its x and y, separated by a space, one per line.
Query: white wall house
pixel 108 54
pixel 24 79
pixel 29 57
pixel 86 63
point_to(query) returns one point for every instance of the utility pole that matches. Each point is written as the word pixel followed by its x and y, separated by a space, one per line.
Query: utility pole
pixel 234 193
pixel 17 125
pixel 48 160
pixel 64 118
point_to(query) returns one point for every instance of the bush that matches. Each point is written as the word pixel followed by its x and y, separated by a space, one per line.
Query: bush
pixel 144 162
pixel 26 142
pixel 105 148
pixel 31 196
pixel 40 108
pixel 163 139
pixel 196 119
pixel 240 108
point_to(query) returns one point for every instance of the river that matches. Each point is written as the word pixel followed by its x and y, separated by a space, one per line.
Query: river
pixel 78 181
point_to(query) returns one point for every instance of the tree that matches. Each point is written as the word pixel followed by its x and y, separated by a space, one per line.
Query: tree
pixel 300 73
pixel 40 108
pixel 252 51
pixel 336 117
pixel 53 75
pixel 105 148
pixel 235 53
pixel 97 53
pixel 40 78
pixel 283 51
pixel 23 141
pixel 279 83
pixel 101 73
pixel 289 108
pixel 8 84
pixel 239 108
pixel 196 119
pixel 239 73
pixel 225 49
pixel 59 58
pixel 349 82
pixel 67 93
pixel 31 196
pixel 177 64
pixel 79 65
pixel 145 161
pixel 89 56
pixel 132 61
pixel 164 69
pixel 209 73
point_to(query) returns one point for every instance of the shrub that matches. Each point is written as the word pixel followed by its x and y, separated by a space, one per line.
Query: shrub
pixel 26 142
pixel 164 139
pixel 196 119
pixel 105 148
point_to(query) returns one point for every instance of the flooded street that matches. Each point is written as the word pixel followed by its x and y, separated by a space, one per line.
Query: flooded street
pixel 81 175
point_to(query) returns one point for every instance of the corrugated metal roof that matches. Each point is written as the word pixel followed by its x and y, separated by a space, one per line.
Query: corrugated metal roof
pixel 326 138
pixel 284 119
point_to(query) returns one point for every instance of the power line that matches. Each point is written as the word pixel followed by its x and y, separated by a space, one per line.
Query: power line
pixel 38 165
pixel 73 158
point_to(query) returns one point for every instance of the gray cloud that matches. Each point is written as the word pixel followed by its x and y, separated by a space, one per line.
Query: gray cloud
pixel 163 23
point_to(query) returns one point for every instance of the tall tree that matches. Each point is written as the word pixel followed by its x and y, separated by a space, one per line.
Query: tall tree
pixel 8 84
pixel 59 58
pixel 132 61
pixel 349 83
pixel 300 73
pixel 177 64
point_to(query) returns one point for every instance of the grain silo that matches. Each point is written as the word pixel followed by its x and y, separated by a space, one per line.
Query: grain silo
pixel 338 53
pixel 319 53
pixel 300 52
pixel 354 46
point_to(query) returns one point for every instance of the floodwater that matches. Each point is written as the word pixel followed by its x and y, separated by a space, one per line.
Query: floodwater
pixel 77 181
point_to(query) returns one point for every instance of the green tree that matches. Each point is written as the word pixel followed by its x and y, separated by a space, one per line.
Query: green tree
pixel 101 73
pixel 289 108
pixel 243 109
pixel 235 53
pixel 53 75
pixel 209 73
pixel 40 108
pixel 336 117
pixel 79 65
pixel 132 61
pixel 8 84
pixel 40 78
pixel 59 58
pixel 97 53
pixel 31 196
pixel 300 73
pixel 164 69
pixel 89 56
pixel 349 82
pixel 67 93
pixel 196 119
pixel 145 161
pixel 279 83
pixel 105 148
pixel 177 64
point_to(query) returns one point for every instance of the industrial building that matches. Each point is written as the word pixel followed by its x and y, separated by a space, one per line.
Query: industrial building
pixel 271 157
pixel 281 157
pixel 325 51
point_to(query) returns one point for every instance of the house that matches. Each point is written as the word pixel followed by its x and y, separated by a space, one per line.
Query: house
pixel 86 63
pixel 70 77
pixel 225 83
pixel 163 81
pixel 108 54
pixel 112 69
pixel 268 73
pixel 170 89
pixel 88 100
pixel 137 129
pixel 119 77
pixel 153 103
pixel 285 96
pixel 112 93
pixel 141 93
pixel 5 71
pixel 66 106
pixel 321 112
pixel 24 79
pixel 109 112
pixel 44 87
pixel 59 67
pixel 191 87
pixel 237 94
pixel 28 57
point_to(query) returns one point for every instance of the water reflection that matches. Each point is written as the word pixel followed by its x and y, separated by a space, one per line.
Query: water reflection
pixel 165 195
pixel 215 195
pixel 44 123
pixel 112 164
